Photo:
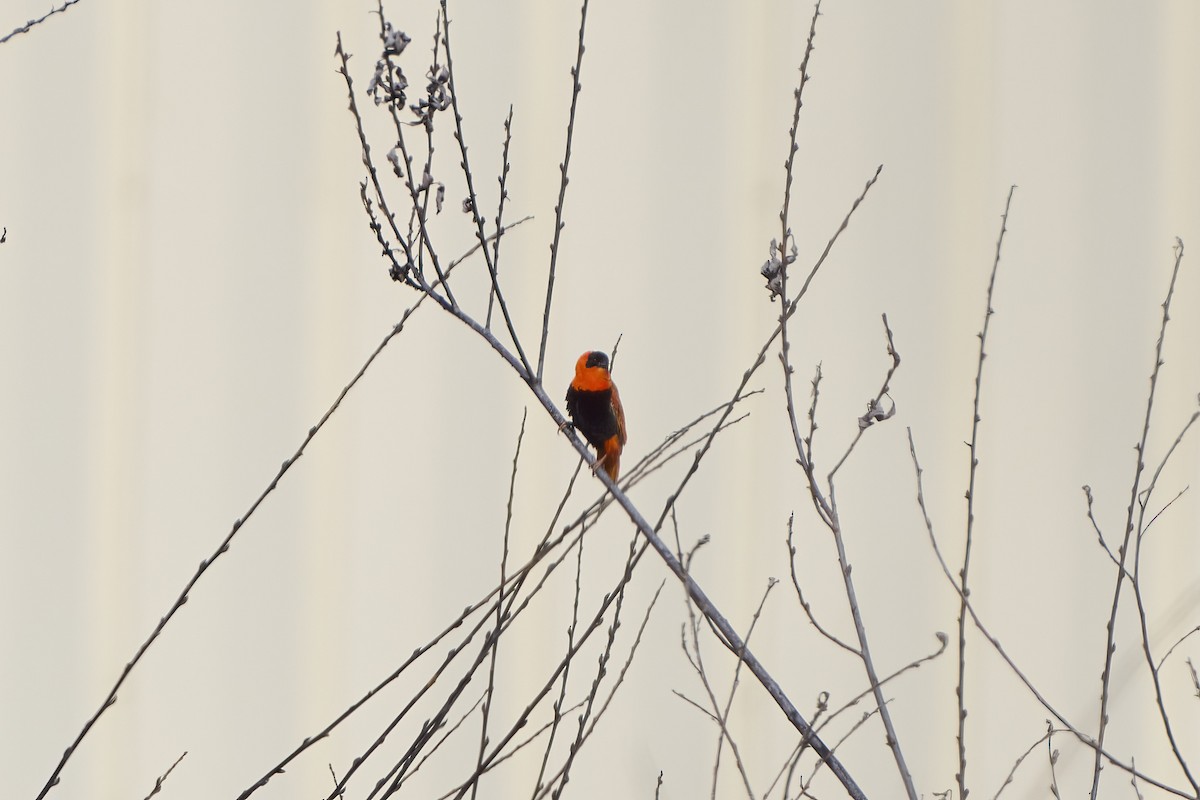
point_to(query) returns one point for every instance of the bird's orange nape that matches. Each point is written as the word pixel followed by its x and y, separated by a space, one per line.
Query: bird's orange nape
pixel 590 377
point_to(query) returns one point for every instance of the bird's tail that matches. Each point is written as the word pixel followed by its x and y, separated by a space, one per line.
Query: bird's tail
pixel 610 457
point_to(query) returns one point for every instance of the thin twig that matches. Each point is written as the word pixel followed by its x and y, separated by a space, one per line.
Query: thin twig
pixel 595 720
pixel 787 772
pixel 395 106
pixel 642 525
pixel 1133 782
pixel 725 631
pixel 158 782
pixel 503 179
pixel 961 690
pixel 426 112
pixel 517 748
pixel 718 714
pixel 853 729
pixel 1021 758
pixel 399 772
pixel 576 88
pixel 718 622
pixel 221 549
pixel 564 775
pixel 450 731
pixel 805 603
pixel 875 411
pixel 428 729
pixel 1146 528
pixel 557 707
pixel 733 687
pixel 333 774
pixel 823 704
pixel 658 458
pixel 508 514
pixel 35 22
pixel 1052 754
pixel 1178 642
pixel 999 648
pixel 784 212
pixel 1134 491
pixel 789 308
pixel 549 683
pixel 1091 514
pixel 396 329
pixel 827 510
pixel 812 273
pixel 812 413
pixel 721 626
pixel 473 199
pixel 372 172
pixel 1143 621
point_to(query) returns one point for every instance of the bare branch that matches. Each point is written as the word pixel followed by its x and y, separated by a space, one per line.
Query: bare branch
pixel 1053 757
pixel 1000 651
pixel 576 88
pixel 616 685
pixel 1178 642
pixel 804 603
pixel 875 412
pixel 222 548
pixel 1021 758
pixel 158 782
pixel 1134 491
pixel 473 199
pixel 827 511
pixel 496 630
pixel 34 23
pixel 1087 492
pixel 500 213
pixel 961 690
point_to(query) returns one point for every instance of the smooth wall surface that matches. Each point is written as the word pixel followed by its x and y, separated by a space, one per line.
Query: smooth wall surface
pixel 188 281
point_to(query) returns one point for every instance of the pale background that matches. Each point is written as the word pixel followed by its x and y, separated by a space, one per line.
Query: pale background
pixel 189 280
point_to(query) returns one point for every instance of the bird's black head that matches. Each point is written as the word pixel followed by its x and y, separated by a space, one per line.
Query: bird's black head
pixel 597 359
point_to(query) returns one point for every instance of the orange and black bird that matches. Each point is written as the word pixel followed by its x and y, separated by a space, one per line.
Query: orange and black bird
pixel 595 409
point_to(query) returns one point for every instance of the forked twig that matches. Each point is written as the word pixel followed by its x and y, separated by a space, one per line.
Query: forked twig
pixel 1021 758
pixel 999 648
pixel 223 547
pixel 720 625
pixel 827 511
pixel 595 720
pixel 1123 552
pixel 805 604
pixel 473 199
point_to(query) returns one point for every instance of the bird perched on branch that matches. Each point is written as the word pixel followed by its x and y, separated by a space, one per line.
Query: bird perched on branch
pixel 595 409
